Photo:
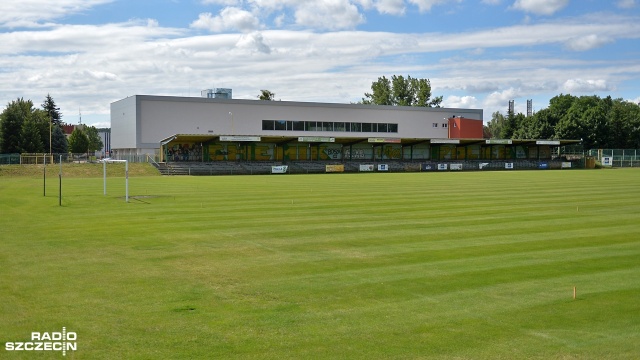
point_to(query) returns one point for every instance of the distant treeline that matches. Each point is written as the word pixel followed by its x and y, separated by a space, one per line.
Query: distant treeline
pixel 27 129
pixel 602 123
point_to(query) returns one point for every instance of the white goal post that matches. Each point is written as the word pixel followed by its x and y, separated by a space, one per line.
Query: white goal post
pixel 126 175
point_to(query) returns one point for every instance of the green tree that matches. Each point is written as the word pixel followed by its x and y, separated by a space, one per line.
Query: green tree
pixel 11 123
pixel 31 139
pixel 266 95
pixel 401 91
pixel 45 127
pixel 519 122
pixel 509 126
pixel 494 126
pixel 623 122
pixel 78 142
pixel 585 120
pixel 540 125
pixel 422 90
pixel 59 142
pixel 381 93
pixel 95 143
pixel 559 106
pixel 52 110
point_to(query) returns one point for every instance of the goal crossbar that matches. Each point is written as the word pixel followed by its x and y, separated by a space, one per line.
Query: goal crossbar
pixel 126 175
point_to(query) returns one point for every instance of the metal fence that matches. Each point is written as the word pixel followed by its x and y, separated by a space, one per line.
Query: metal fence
pixel 9 159
pixel 35 159
pixel 619 157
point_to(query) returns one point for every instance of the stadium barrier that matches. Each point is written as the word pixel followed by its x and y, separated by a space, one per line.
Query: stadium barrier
pixel 323 167
pixel 616 157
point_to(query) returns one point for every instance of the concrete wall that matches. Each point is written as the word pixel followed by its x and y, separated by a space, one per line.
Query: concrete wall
pixel 124 124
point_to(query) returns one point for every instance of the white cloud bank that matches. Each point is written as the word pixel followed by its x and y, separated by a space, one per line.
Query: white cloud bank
pixel 93 65
pixel 586 86
pixel 540 7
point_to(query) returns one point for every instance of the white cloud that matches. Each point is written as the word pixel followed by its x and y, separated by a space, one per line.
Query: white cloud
pixel 100 75
pixel 460 102
pixel 328 14
pixel 230 18
pixel 253 41
pixel 30 13
pixel 426 5
pixel 393 7
pixel 585 86
pixel 626 4
pixel 95 65
pixel 540 7
pixel 222 2
pixel 587 42
pixel 501 98
pixel 491 2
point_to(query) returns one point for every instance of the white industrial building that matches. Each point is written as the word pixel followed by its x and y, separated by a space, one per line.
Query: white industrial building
pixel 141 124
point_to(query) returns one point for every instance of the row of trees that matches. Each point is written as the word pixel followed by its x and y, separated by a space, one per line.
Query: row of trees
pixel 397 91
pixel 26 129
pixel 401 91
pixel 601 123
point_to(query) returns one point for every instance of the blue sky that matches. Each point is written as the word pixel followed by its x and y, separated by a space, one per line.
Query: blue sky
pixel 478 54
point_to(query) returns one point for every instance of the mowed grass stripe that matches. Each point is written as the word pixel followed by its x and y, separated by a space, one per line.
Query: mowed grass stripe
pixel 427 265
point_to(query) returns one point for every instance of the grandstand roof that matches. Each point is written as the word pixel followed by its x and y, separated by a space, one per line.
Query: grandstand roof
pixel 195 138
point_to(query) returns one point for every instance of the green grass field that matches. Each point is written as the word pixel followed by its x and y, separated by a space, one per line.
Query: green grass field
pixel 472 265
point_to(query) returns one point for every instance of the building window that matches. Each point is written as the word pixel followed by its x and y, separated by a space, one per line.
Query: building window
pixel 337 126
pixel 298 126
pixel 445 125
pixel 281 125
pixel 268 125
pixel 435 125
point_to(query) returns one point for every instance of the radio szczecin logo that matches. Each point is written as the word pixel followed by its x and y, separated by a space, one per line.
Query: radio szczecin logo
pixel 53 341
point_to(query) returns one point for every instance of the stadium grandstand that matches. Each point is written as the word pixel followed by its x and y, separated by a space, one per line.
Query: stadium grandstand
pixel 219 135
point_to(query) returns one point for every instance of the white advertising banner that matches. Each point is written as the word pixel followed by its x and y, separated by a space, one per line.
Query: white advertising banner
pixel 456 167
pixel 383 167
pixel 240 138
pixel 607 161
pixel 508 166
pixel 281 169
pixel 442 166
pixel 366 167
pixel 566 165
